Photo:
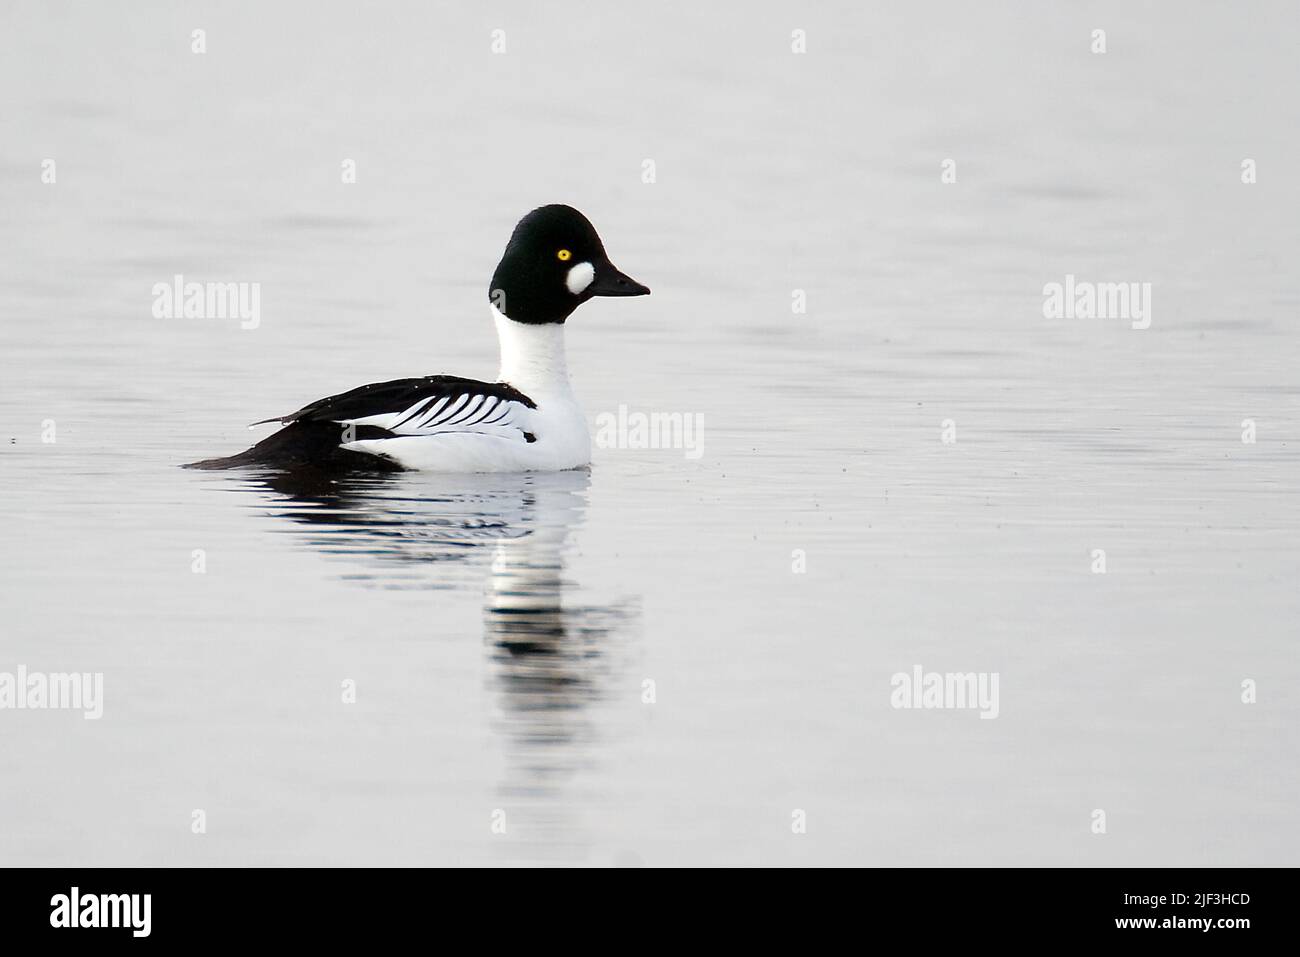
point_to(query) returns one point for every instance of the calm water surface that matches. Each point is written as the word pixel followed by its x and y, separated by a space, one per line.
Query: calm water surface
pixel 500 630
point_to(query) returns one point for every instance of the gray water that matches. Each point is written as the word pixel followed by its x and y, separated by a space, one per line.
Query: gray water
pixel 501 632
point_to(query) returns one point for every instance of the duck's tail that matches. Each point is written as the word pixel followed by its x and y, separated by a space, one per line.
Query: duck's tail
pixel 298 445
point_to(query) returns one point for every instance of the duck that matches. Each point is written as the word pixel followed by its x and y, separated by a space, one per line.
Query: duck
pixel 527 420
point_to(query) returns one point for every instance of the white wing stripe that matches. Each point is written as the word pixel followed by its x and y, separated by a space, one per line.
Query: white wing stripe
pixel 453 406
pixel 473 404
pixel 413 411
pixel 464 413
pixel 488 405
pixel 430 408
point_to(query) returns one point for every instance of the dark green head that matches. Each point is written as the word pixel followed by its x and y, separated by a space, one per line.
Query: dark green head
pixel 554 263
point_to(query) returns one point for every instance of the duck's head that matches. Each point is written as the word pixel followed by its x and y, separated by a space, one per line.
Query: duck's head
pixel 554 263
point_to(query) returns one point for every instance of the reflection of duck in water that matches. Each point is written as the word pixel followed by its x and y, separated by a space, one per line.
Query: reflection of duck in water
pixel 392 524
pixel 549 660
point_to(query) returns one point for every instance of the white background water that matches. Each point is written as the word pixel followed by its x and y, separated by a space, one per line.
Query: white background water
pixel 775 172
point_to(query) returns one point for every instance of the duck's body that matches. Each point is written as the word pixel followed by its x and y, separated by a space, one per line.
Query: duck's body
pixel 528 420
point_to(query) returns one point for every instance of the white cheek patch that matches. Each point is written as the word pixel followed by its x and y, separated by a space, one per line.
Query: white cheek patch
pixel 580 277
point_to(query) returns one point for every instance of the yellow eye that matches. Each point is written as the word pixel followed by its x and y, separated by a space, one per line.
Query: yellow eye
pixel 564 255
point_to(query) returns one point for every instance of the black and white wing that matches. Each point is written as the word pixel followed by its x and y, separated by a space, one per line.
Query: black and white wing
pixel 317 434
pixel 433 405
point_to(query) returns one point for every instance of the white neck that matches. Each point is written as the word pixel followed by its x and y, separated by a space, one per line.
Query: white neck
pixel 532 355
